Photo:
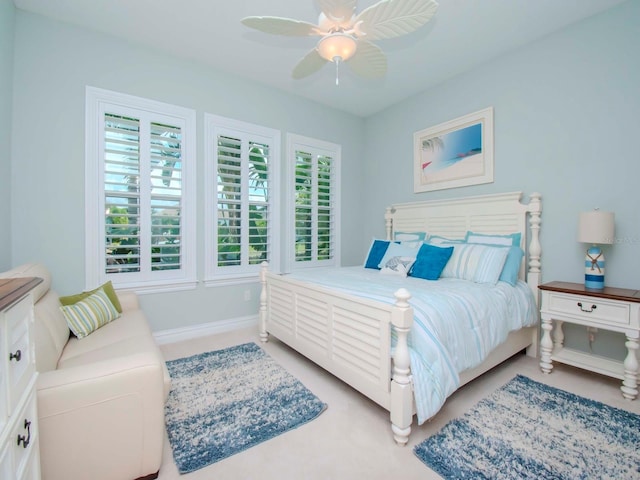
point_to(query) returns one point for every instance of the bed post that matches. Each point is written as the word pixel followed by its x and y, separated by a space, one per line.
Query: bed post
pixel 401 391
pixel 533 275
pixel 535 250
pixel 262 314
pixel 388 222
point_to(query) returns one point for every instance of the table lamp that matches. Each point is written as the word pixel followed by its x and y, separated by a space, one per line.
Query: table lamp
pixel 596 228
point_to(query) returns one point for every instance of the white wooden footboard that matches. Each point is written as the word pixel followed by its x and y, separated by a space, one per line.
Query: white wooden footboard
pixel 348 336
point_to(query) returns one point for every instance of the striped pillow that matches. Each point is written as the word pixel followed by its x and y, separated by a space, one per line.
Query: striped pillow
pixel 475 262
pixel 90 313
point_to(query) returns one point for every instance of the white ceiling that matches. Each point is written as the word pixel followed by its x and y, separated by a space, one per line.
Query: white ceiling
pixel 463 34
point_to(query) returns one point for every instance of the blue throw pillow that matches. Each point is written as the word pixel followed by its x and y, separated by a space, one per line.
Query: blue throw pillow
pixel 512 266
pixel 430 261
pixel 376 251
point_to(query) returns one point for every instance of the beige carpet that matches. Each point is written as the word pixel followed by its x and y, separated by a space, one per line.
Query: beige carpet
pixel 352 438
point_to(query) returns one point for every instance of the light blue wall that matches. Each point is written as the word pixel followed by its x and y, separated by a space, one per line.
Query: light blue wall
pixel 7 15
pixel 567 124
pixel 54 62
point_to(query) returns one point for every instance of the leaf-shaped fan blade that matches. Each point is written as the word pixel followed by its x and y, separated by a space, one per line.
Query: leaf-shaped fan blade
pixel 311 63
pixel 393 18
pixel 368 61
pixel 281 26
pixel 341 10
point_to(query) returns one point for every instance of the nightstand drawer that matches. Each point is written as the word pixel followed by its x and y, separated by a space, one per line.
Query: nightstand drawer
pixel 589 308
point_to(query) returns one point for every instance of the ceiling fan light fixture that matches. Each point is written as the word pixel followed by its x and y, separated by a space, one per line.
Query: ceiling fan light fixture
pixel 339 44
pixel 345 35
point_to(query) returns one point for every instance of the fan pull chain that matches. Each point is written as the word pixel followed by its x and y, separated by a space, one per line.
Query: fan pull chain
pixel 337 59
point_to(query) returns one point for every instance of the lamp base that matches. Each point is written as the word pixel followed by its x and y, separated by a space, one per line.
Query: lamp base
pixel 594 269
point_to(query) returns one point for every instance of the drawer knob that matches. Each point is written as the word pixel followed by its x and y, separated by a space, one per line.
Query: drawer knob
pixel 15 356
pixel 588 310
pixel 21 438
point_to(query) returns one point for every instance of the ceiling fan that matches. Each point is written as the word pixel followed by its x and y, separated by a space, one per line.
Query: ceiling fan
pixel 347 36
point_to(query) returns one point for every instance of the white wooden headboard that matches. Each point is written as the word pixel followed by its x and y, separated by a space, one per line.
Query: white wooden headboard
pixel 502 213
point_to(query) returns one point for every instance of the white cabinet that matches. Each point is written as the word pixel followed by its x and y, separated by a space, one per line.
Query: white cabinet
pixel 19 452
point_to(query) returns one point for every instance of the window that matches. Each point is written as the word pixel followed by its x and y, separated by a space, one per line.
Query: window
pixel 313 208
pixel 140 167
pixel 242 221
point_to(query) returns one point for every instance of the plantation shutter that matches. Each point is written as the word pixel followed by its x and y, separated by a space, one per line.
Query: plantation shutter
pixel 122 194
pixel 315 207
pixel 243 214
pixel 166 197
pixel 142 195
pixel 229 201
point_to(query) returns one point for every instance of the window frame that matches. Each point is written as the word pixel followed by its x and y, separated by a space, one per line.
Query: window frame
pixel 215 125
pixel 317 147
pixel 98 103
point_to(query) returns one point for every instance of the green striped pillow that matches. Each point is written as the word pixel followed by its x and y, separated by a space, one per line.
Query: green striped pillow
pixel 90 313
pixel 108 289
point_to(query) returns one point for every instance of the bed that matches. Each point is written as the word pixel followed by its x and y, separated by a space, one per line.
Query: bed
pixel 365 339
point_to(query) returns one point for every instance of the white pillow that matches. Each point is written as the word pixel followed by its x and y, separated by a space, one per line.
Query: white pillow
pixel 412 239
pixel 475 262
pixel 398 250
pixel 439 240
pixel 398 266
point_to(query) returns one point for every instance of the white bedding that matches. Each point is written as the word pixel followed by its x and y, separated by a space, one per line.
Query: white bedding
pixel 457 323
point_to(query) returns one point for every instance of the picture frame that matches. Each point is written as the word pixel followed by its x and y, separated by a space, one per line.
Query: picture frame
pixel 457 153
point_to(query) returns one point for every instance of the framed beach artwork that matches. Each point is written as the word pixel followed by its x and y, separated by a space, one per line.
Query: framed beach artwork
pixel 457 153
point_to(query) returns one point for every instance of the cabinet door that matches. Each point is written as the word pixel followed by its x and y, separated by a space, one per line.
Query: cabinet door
pixel 20 354
pixel 24 435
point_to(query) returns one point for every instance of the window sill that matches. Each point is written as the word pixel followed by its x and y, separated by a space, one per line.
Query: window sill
pixel 235 280
pixel 142 289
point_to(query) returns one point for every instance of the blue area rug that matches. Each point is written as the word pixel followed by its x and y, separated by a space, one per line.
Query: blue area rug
pixel 226 401
pixel 528 430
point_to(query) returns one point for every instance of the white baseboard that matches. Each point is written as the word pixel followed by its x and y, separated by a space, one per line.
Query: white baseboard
pixel 203 329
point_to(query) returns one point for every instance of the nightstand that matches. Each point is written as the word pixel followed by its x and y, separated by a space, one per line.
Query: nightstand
pixel 614 309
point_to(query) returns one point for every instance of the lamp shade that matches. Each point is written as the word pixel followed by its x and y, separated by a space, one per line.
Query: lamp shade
pixel 596 227
pixel 338 45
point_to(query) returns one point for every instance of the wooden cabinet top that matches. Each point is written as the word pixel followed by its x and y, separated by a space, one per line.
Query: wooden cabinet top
pixel 611 293
pixel 11 289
